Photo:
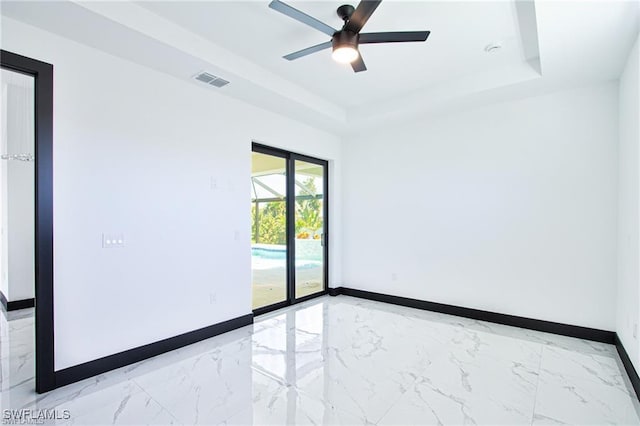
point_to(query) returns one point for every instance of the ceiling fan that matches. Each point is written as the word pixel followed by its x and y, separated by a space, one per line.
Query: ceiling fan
pixel 345 41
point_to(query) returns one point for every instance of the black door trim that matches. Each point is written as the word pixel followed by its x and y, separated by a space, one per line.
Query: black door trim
pixel 43 77
pixel 291 158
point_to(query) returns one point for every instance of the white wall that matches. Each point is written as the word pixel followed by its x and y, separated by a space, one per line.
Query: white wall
pixel 509 208
pixel 135 151
pixel 628 314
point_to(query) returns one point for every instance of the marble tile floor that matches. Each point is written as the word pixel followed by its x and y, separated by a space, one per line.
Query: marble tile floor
pixel 341 360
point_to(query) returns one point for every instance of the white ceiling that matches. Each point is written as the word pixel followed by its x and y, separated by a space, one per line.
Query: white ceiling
pixel 547 45
pixel 460 31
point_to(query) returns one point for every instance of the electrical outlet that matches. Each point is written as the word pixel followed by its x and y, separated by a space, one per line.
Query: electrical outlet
pixel 394 276
pixel 212 298
pixel 112 240
pixel 635 330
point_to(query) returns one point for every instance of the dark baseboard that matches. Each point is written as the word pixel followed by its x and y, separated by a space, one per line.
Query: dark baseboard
pixel 335 291
pixel 21 304
pixel 628 366
pixel 512 320
pixel 111 362
pixel 16 304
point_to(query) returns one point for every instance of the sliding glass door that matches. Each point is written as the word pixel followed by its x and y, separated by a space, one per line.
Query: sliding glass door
pixel 268 229
pixel 309 232
pixel 288 228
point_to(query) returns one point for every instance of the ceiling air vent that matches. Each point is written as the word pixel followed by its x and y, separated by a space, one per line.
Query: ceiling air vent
pixel 219 82
pixel 211 79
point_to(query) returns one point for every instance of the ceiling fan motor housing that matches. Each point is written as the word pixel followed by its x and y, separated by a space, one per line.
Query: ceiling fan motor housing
pixel 345 38
pixel 345 11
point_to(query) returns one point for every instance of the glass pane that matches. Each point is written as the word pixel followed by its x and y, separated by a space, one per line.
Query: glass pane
pixel 17 186
pixel 269 186
pixel 268 230
pixel 309 228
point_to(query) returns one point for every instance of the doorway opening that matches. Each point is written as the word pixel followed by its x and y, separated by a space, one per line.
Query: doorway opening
pixel 289 223
pixel 17 190
pixel 33 110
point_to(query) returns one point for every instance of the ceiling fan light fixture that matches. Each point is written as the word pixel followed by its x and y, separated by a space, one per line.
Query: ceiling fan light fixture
pixel 345 47
pixel 345 54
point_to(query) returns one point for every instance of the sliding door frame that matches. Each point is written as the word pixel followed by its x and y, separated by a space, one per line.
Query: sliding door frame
pixel 262 149
pixel 291 158
pixel 325 225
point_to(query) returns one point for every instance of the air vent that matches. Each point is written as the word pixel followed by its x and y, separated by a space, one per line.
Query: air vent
pixel 211 79
pixel 219 82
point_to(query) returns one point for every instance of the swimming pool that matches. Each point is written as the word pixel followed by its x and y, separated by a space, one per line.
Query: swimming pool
pixel 271 257
pixel 276 253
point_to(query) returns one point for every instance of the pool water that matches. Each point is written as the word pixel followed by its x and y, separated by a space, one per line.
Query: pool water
pixel 264 253
pixel 271 258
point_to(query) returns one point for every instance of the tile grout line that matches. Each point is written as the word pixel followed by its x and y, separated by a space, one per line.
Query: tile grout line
pixel 415 382
pixel 156 401
pixel 535 398
pixel 318 399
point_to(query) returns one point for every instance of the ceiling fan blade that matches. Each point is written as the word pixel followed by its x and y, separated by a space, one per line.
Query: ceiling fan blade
pixel 393 37
pixel 299 16
pixel 358 65
pixel 307 51
pixel 361 15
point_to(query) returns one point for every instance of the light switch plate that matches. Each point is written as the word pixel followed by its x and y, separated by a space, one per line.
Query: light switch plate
pixel 115 240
